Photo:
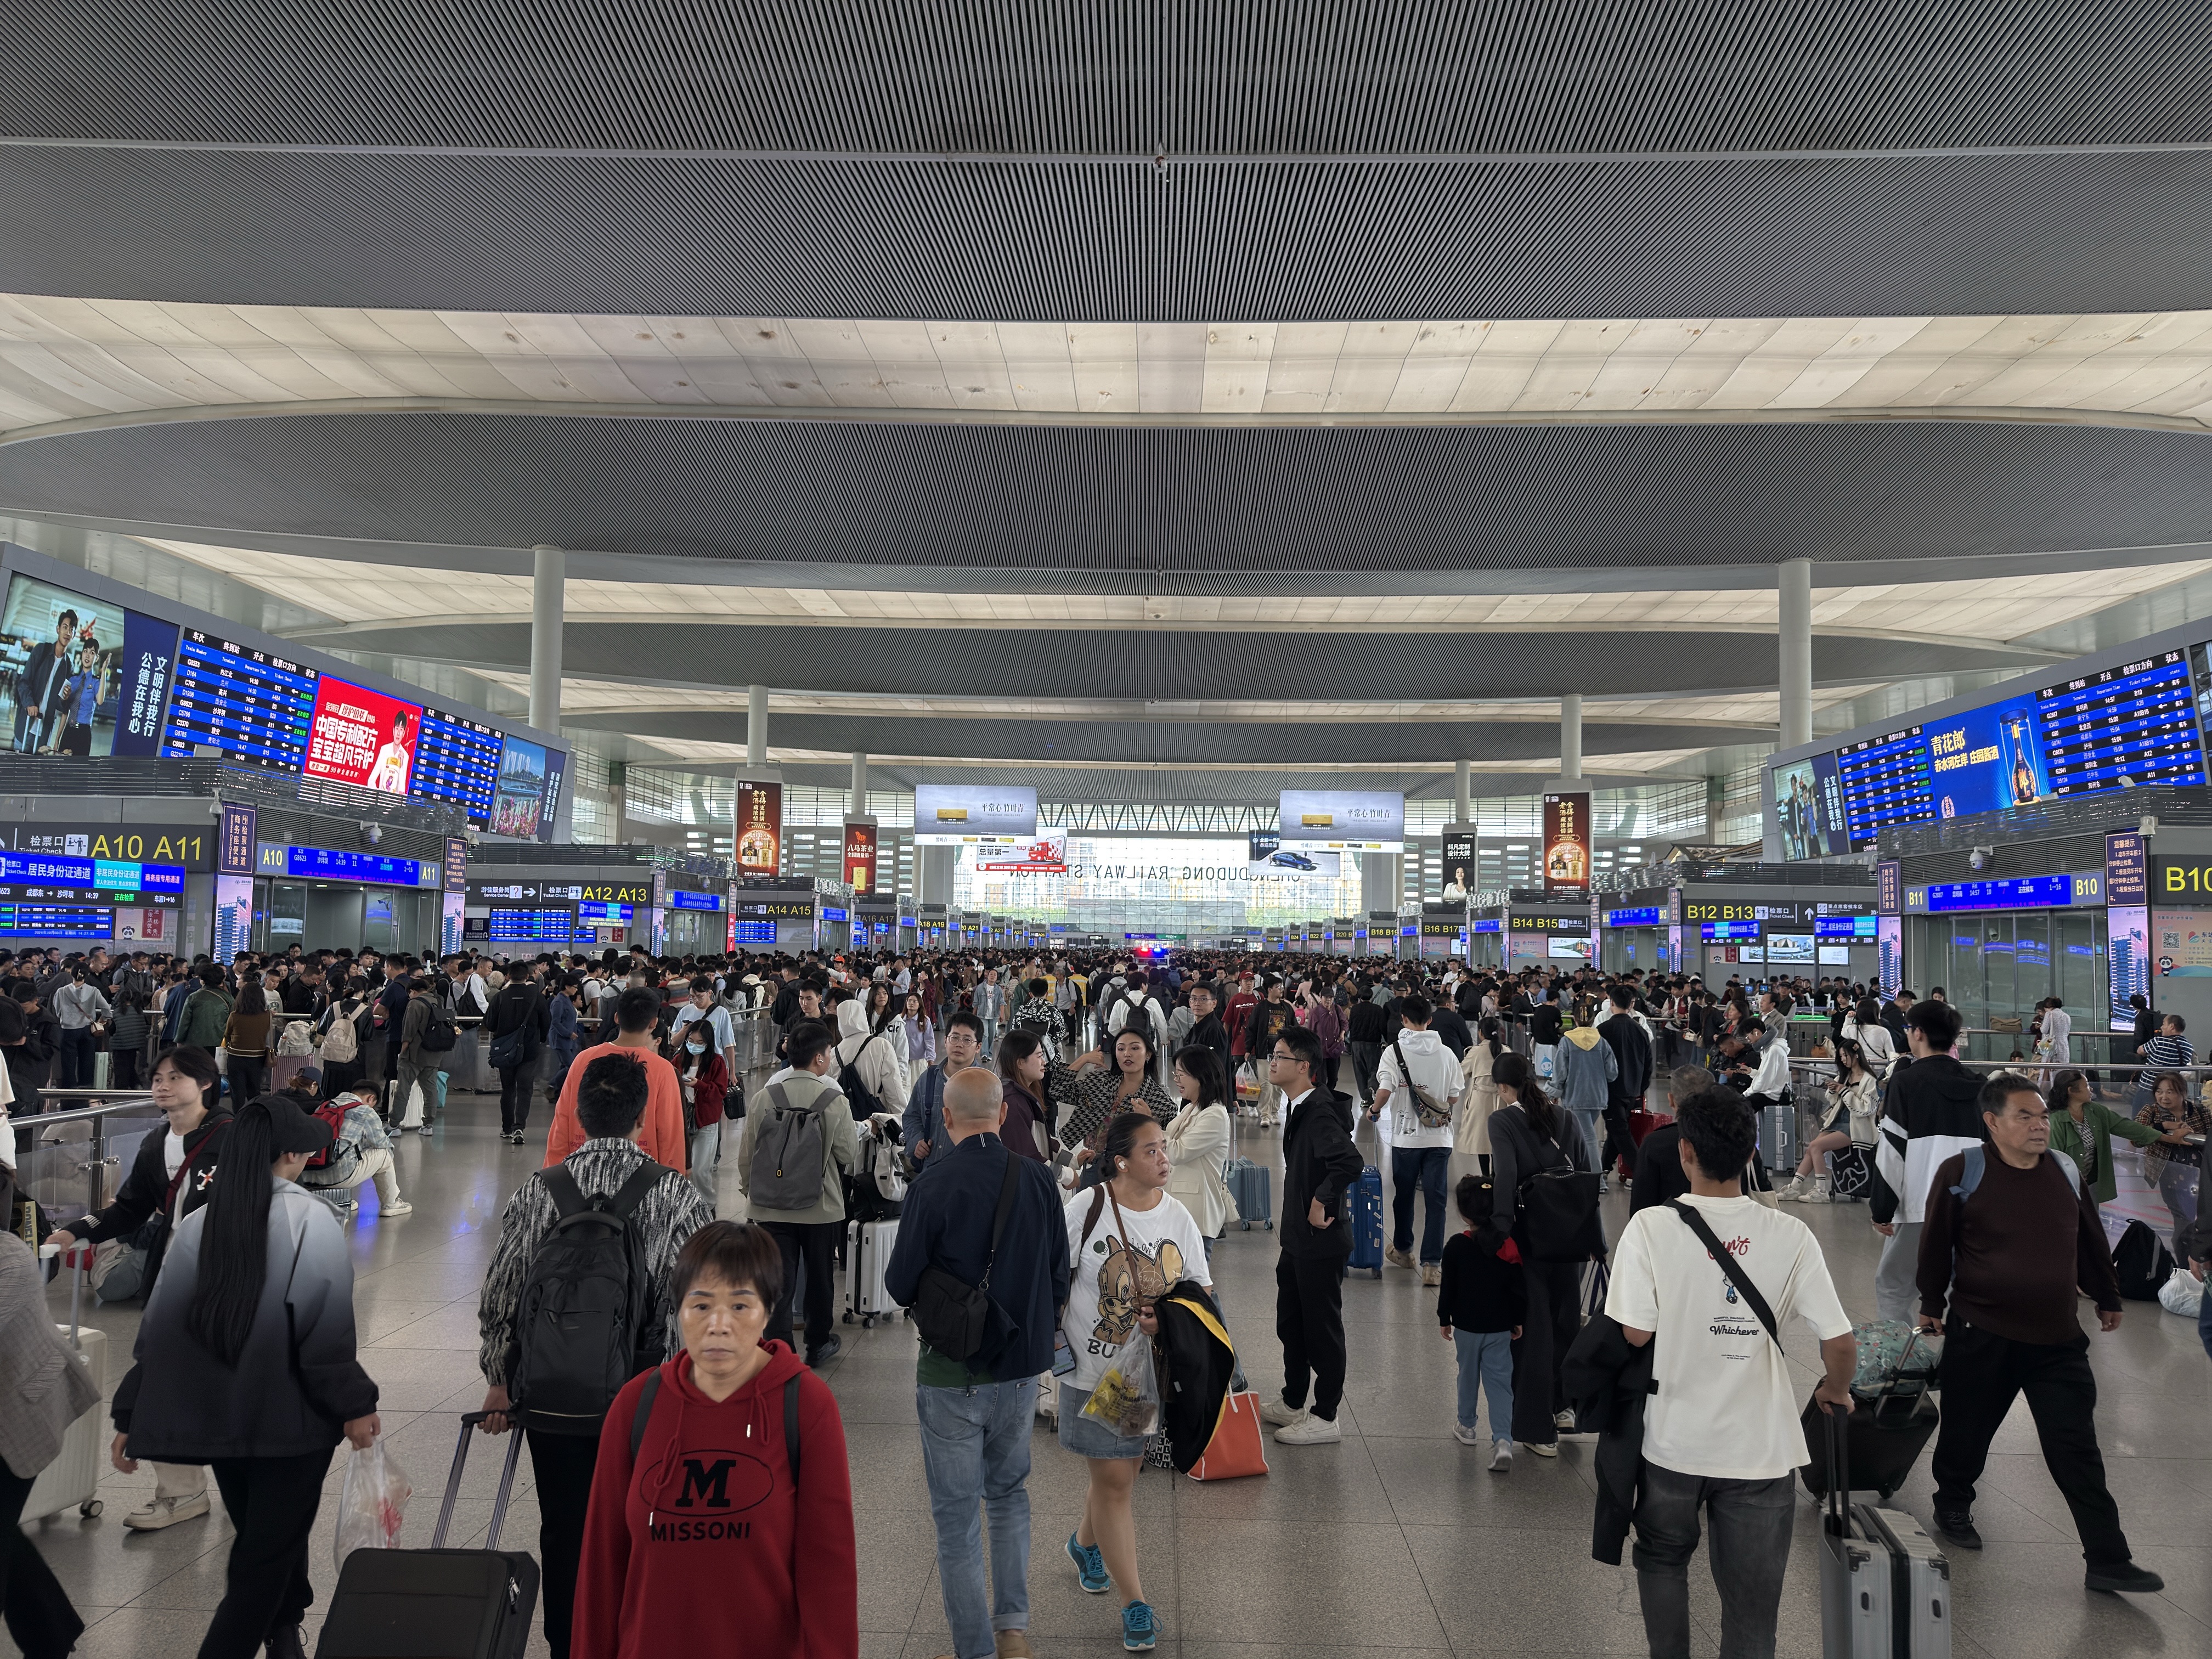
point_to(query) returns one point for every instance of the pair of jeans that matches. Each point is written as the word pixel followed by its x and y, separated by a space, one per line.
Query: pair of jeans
pixel 41 1621
pixel 1982 1374
pixel 1750 1521
pixel 990 1038
pixel 975 1451
pixel 561 1465
pixel 76 1071
pixel 1486 1363
pixel 272 1502
pixel 1423 1168
pixel 1310 1324
pixel 812 1243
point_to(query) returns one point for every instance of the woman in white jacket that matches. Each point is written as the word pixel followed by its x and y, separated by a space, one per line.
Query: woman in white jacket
pixel 1478 1099
pixel 881 1055
pixel 1864 1027
pixel 1199 1141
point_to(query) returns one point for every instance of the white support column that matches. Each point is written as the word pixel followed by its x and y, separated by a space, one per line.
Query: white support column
pixel 755 728
pixel 1570 737
pixel 860 809
pixel 548 579
pixel 1463 792
pixel 1793 580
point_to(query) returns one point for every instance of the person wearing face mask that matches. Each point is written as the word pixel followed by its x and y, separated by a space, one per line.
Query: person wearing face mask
pixel 703 1079
pixel 721 1484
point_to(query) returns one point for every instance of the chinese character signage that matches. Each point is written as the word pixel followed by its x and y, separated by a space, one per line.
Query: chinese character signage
pixel 1889 888
pixel 457 865
pixel 759 827
pixel 2126 869
pixel 1567 843
pixel 860 857
pixel 234 852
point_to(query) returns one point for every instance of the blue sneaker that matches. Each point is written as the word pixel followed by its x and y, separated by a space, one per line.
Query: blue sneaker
pixel 1139 1633
pixel 1090 1567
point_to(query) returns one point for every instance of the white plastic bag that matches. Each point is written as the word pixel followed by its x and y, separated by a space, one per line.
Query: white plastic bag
pixel 2182 1294
pixel 372 1502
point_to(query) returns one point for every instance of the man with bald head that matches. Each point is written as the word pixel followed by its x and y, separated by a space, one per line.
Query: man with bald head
pixel 974 1212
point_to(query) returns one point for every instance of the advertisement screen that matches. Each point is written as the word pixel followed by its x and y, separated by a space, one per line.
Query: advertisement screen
pixel 1460 869
pixel 2181 943
pixel 1567 842
pixel 1044 854
pixel 1566 945
pixel 860 857
pixel 363 738
pixel 946 814
pixel 1889 952
pixel 1987 759
pixel 1266 855
pixel 1789 947
pixel 233 915
pixel 2130 959
pixel 518 799
pixel 81 675
pixel 759 826
pixel 1809 796
pixel 1366 820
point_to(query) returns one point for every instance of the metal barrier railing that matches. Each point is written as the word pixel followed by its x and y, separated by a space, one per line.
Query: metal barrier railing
pixel 71 1161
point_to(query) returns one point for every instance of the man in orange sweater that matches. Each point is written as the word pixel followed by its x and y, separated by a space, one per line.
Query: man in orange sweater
pixel 663 1140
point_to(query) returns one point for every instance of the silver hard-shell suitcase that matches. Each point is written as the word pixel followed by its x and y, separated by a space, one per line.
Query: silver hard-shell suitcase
pixel 1884 1586
pixel 73 1477
pixel 1919 1585
pixel 867 1253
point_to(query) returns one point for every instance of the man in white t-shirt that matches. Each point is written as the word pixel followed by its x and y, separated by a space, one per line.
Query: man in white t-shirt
pixel 1419 1157
pixel 1722 1430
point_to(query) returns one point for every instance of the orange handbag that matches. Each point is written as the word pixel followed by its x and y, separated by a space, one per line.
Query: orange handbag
pixel 1238 1447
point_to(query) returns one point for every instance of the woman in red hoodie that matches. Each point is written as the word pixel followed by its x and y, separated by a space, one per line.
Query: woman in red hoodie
pixel 721 1516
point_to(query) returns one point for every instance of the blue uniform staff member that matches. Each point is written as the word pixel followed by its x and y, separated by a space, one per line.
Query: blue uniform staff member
pixel 2007 1258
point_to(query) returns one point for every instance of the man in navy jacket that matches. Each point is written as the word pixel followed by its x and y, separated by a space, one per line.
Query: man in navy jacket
pixel 976 1414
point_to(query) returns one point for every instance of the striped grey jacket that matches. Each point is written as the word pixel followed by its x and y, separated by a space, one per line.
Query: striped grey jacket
pixel 672 1212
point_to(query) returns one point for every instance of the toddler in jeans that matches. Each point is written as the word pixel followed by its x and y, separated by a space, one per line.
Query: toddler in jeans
pixel 1480 1306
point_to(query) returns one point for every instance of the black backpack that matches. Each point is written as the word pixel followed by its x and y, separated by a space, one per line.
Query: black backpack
pixel 585 1324
pixel 441 1033
pixel 863 1100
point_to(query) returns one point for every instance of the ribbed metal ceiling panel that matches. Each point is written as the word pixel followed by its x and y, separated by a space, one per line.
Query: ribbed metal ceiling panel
pixel 1319 665
pixel 1170 509
pixel 1122 77
pixel 1105 241
pixel 1285 743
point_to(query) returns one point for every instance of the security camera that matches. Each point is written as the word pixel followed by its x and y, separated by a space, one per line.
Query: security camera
pixel 373 832
pixel 2148 825
pixel 1979 858
pixel 472 837
pixel 214 807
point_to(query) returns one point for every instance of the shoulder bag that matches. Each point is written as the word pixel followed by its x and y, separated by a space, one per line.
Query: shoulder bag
pixel 952 1315
pixel 1559 1211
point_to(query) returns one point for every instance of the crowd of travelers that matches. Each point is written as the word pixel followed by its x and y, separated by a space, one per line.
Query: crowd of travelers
pixel 1054 1137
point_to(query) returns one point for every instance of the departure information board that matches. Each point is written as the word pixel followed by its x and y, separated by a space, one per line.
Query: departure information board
pixel 1887 779
pixel 457 759
pixel 56 922
pixel 532 926
pixel 2133 725
pixel 254 708
pixel 752 933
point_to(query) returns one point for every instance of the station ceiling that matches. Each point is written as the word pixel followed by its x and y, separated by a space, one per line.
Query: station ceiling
pixel 1134 386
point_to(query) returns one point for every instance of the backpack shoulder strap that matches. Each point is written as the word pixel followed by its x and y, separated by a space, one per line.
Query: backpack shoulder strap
pixel 1098 1203
pixel 790 1424
pixel 777 1099
pixel 1718 1251
pixel 568 1197
pixel 644 1413
pixel 1977 1160
pixel 2073 1171
pixel 631 1193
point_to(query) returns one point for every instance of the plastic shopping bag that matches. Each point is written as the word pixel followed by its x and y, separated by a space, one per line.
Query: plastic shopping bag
pixel 372 1502
pixel 2182 1294
pixel 1127 1398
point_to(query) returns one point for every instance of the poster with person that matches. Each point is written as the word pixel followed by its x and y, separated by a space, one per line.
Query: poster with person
pixel 363 738
pixel 80 676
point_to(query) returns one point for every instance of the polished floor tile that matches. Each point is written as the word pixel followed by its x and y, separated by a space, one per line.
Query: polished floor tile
pixel 1396 1542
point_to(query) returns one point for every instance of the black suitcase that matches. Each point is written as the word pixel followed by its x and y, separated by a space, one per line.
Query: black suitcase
pixel 438 1603
pixel 1884 1438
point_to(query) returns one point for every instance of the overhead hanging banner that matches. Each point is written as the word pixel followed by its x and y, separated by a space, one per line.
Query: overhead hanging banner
pixel 1352 820
pixel 759 826
pixel 1567 842
pixel 951 814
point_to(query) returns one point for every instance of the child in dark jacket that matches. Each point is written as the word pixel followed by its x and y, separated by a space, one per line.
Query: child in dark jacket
pixel 1482 1302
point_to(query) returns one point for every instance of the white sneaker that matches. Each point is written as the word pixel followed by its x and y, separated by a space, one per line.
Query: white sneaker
pixel 1563 1419
pixel 1273 1410
pixel 1794 1191
pixel 1501 1457
pixel 161 1512
pixel 1543 1449
pixel 1820 1194
pixel 1465 1436
pixel 1311 1430
pixel 398 1207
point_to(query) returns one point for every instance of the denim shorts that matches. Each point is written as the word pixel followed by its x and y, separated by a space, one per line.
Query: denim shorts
pixel 1086 1436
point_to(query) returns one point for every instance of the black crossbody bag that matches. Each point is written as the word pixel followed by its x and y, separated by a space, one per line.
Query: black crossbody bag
pixel 953 1317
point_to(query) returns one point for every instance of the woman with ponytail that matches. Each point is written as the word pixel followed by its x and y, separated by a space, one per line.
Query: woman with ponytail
pixel 1529 1135
pixel 250 1335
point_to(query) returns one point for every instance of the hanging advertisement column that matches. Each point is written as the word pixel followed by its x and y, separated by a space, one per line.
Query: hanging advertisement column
pixel 759 826
pixel 1567 843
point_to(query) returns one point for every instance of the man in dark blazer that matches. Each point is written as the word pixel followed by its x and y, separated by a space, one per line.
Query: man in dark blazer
pixel 1320 1164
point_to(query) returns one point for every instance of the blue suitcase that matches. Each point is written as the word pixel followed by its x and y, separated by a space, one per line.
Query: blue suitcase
pixel 1252 1189
pixel 1364 1210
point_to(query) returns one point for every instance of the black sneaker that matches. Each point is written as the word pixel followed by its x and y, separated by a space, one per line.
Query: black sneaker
pixel 284 1643
pixel 828 1351
pixel 2127 1577
pixel 1959 1527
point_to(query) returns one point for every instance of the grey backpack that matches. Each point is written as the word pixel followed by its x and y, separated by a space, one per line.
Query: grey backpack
pixel 788 1152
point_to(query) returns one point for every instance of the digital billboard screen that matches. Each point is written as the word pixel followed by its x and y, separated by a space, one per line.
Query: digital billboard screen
pixel 1808 796
pixel 2123 727
pixel 1366 820
pixel 80 676
pixel 1460 868
pixel 947 814
pixel 361 737
pixel 518 801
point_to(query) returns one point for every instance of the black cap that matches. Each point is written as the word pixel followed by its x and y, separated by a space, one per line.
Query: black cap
pixel 290 1129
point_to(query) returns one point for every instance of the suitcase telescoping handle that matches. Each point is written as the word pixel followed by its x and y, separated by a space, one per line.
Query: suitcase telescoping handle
pixel 1837 1434
pixel 469 1422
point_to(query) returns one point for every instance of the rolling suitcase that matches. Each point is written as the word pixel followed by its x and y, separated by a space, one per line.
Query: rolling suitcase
pixel 1777 1136
pixel 1885 1587
pixel 73 1477
pixel 867 1253
pixel 1251 1189
pixel 1919 1585
pixel 1363 1210
pixel 438 1603
pixel 1886 1432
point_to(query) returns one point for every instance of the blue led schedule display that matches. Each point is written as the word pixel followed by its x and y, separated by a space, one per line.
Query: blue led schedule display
pixel 2133 725
pixel 254 707
pixel 2013 893
pixel 56 922
pixel 457 759
pixel 532 926
pixel 1886 780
